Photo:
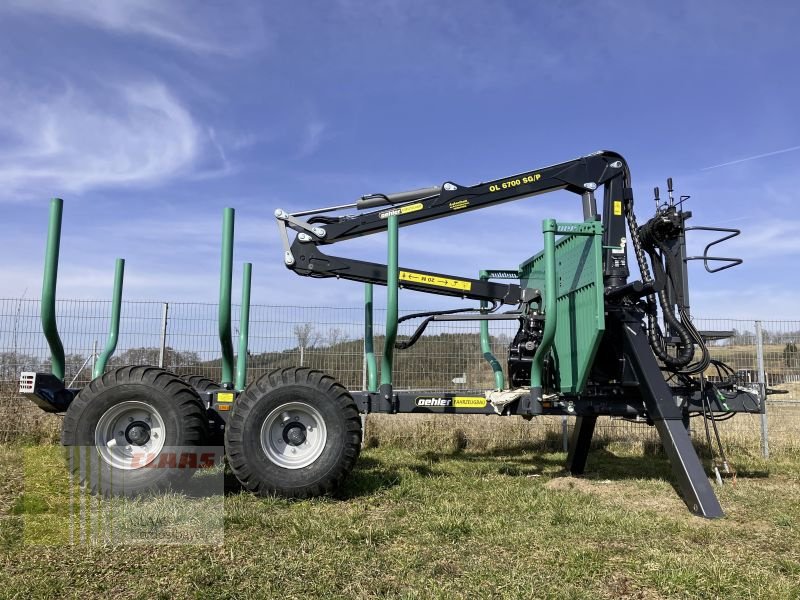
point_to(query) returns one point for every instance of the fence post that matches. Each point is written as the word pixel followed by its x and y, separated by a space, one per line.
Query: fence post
pixel 364 368
pixel 762 390
pixel 94 355
pixel 163 349
pixel 364 387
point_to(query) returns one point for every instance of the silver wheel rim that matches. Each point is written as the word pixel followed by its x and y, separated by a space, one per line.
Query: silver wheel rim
pixel 130 435
pixel 293 435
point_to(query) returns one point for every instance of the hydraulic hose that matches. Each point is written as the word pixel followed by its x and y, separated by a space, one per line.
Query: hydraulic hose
pixel 687 343
pixel 655 339
pixel 686 329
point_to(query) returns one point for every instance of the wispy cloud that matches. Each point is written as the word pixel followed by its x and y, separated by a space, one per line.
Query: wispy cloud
pixel 768 240
pixel 313 135
pixel 118 135
pixel 202 28
pixel 749 158
pixel 224 167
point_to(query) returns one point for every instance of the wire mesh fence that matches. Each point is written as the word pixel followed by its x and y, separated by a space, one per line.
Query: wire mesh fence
pixel 184 338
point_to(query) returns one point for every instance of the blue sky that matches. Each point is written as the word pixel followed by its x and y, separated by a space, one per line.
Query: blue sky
pixel 149 117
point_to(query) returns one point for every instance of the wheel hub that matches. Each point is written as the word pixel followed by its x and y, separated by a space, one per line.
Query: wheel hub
pixel 138 433
pixel 130 435
pixel 294 434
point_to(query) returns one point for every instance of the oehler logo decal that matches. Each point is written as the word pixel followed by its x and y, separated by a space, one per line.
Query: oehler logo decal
pixel 454 401
pixel 403 210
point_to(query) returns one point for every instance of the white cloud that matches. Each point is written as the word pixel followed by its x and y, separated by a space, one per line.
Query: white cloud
pixel 768 240
pixel 196 27
pixel 313 134
pixel 121 135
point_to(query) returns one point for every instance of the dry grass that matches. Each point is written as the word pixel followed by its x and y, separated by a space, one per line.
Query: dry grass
pixel 423 524
pixel 439 506
pixel 22 421
pixel 742 434
pixel 793 388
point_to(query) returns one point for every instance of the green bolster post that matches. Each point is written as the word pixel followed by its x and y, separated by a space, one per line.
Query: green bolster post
pixel 486 347
pixel 49 289
pixel 225 280
pixel 550 295
pixel 113 328
pixel 369 344
pixel 244 327
pixel 392 287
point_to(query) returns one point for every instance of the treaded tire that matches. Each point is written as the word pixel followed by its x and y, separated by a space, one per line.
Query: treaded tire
pixel 202 383
pixel 185 426
pixel 216 427
pixel 243 446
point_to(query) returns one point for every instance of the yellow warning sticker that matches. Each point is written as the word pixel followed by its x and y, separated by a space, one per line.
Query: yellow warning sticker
pixel 408 208
pixel 469 402
pixel 459 204
pixel 456 284
pixel 224 397
pixel 617 208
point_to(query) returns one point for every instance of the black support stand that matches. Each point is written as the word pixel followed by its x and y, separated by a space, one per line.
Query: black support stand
pixel 665 414
pixel 579 444
pixel 668 419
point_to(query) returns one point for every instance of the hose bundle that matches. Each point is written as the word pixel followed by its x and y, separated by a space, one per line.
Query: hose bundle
pixel 682 325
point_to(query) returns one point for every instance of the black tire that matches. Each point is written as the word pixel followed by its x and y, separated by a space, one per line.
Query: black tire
pixel 216 426
pixel 182 414
pixel 202 384
pixel 248 459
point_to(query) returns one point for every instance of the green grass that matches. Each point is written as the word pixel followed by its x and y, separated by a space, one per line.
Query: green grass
pixel 419 524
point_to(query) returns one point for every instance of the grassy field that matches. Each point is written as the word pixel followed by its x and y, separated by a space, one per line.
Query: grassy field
pixel 436 522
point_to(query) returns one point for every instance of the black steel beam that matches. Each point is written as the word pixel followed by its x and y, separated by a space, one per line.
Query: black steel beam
pixel 311 261
pixel 667 417
pixel 587 173
pixel 579 175
pixel 579 444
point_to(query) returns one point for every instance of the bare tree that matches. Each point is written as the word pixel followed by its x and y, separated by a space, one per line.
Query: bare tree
pixel 149 356
pixel 336 336
pixel 307 337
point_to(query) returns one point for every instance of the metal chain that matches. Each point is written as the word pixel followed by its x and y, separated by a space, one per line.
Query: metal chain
pixel 637 244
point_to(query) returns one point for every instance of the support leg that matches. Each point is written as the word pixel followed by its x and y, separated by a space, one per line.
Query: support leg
pixel 686 466
pixel 579 444
pixel 687 422
pixel 668 418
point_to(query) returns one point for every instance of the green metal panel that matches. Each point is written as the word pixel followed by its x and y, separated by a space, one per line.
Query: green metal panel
pixel 580 306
